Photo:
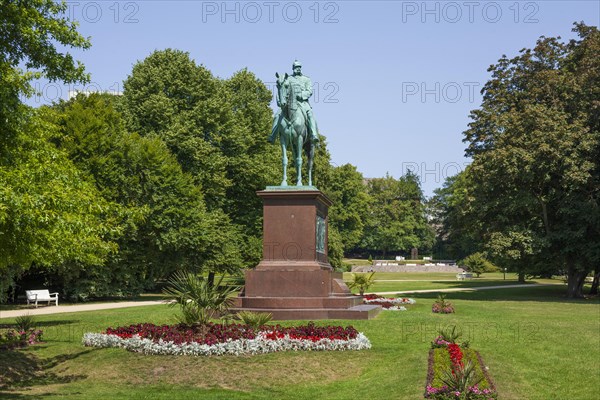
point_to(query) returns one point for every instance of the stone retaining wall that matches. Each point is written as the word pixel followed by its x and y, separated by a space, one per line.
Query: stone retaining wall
pixel 407 268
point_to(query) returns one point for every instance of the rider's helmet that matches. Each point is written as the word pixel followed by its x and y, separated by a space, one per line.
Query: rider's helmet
pixel 296 64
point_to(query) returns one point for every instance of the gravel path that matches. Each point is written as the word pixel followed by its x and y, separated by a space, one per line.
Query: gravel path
pixel 43 310
pixel 417 280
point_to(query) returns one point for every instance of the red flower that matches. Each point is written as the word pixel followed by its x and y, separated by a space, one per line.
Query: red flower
pixel 456 355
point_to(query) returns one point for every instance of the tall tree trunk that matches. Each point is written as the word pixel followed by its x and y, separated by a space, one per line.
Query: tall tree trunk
pixel 575 281
pixel 211 279
pixel 521 276
pixel 596 281
pixel 545 216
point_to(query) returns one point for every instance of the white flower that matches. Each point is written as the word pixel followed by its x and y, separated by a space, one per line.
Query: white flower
pixel 392 300
pixel 258 345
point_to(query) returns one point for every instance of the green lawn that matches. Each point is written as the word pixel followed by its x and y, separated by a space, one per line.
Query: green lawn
pixel 401 281
pixel 537 345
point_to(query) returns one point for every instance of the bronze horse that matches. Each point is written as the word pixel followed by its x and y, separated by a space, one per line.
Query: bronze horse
pixel 293 131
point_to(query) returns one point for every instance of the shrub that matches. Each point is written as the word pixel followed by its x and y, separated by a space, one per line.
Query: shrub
pixel 478 264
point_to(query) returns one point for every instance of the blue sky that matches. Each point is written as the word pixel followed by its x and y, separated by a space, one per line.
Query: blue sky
pixel 394 80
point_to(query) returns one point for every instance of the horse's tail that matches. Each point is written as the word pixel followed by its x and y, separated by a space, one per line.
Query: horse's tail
pixel 308 145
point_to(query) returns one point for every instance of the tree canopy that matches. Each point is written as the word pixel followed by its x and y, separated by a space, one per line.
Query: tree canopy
pixel 49 213
pixel 397 218
pixel 31 31
pixel 215 128
pixel 535 143
pixel 165 223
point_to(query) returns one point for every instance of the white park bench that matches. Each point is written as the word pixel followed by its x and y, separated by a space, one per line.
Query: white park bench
pixel 33 296
pixel 464 275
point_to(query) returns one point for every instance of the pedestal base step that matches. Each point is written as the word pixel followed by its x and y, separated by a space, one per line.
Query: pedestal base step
pixel 363 311
pixel 344 302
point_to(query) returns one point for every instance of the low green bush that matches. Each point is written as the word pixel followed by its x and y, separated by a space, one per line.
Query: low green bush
pixel 478 264
pixel 254 319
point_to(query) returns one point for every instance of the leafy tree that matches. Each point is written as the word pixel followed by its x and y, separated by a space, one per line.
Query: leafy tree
pixel 451 212
pixel 166 226
pixel 50 213
pixel 350 204
pixel 31 31
pixel 252 163
pixel 168 95
pixel 216 128
pixel 397 220
pixel 535 143
pixel 335 249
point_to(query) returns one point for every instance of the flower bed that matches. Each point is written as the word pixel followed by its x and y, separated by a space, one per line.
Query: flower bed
pixel 12 338
pixel 457 372
pixel 388 303
pixel 217 339
pixel 442 306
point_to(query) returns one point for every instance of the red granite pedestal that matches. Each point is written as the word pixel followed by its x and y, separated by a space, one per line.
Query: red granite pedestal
pixel 294 280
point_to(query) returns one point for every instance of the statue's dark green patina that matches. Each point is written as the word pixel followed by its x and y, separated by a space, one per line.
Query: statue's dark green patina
pixel 294 124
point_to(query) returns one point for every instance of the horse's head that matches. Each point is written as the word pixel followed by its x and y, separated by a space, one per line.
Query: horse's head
pixel 283 87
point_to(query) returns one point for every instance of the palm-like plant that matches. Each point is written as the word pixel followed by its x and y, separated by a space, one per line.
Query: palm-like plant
pixel 450 336
pixel 25 322
pixel 362 281
pixel 460 378
pixel 200 301
pixel 255 320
